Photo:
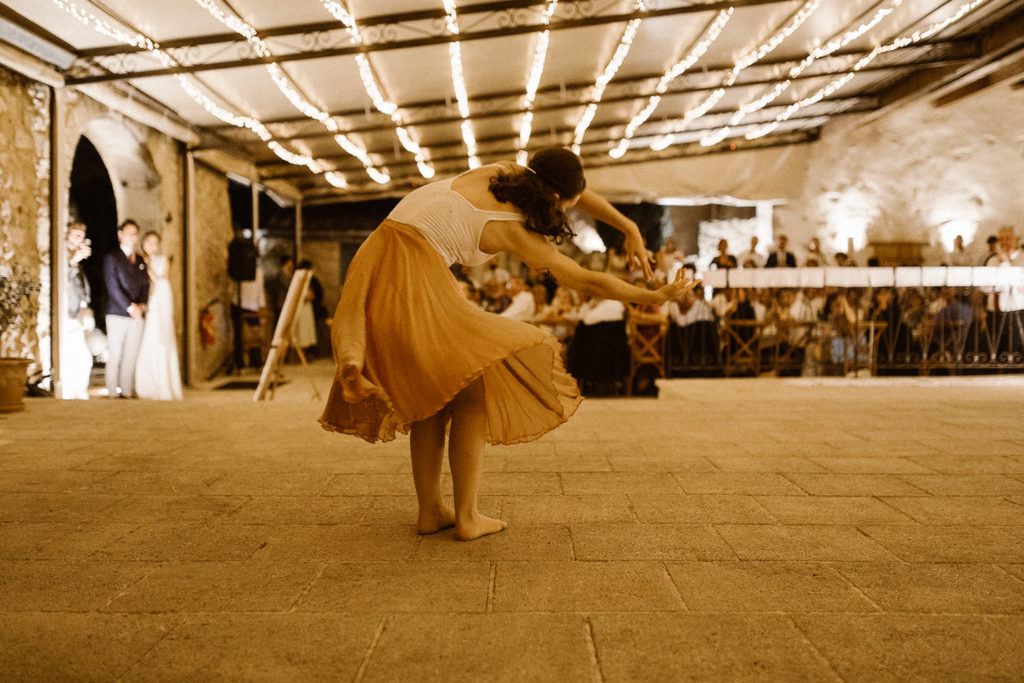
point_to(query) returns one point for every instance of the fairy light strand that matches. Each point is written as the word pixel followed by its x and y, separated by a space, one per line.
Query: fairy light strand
pixel 610 69
pixel 795 21
pixel 190 88
pixel 373 89
pixel 842 80
pixel 709 36
pixel 287 88
pixel 533 82
pixel 455 59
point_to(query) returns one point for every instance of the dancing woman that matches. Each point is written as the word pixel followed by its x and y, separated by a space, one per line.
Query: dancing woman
pixel 414 355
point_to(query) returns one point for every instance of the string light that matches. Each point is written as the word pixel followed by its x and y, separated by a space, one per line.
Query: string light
pixel 610 69
pixel 288 89
pixel 815 54
pixel 455 58
pixel 533 82
pixel 198 96
pixel 843 79
pixel 709 36
pixel 760 52
pixel 373 89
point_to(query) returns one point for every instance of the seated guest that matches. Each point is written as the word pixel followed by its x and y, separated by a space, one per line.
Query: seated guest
pixel 669 259
pixel 781 256
pixel 689 310
pixel 522 304
pixel 843 260
pixel 598 354
pixel 559 317
pixel 955 310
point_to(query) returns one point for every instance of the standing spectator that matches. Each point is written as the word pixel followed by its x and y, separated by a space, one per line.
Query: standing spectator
pixel 815 254
pixel 75 356
pixel 751 258
pixel 670 259
pixel 993 249
pixel 959 255
pixel 1007 303
pixel 724 258
pixel 157 373
pixel 781 257
pixel 127 281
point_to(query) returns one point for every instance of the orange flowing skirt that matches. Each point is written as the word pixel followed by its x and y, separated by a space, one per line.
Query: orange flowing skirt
pixel 406 341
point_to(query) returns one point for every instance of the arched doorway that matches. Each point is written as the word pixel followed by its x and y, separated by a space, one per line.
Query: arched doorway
pixel 91 201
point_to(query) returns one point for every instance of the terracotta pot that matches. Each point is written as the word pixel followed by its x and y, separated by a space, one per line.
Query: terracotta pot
pixel 13 372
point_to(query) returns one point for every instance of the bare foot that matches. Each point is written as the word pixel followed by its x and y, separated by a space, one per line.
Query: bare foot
pixel 432 521
pixel 476 527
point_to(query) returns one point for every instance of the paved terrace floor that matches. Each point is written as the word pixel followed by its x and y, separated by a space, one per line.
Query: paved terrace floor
pixel 728 530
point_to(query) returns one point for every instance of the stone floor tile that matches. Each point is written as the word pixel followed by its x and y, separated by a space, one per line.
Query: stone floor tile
pixel 556 462
pixel 53 480
pixel 648 542
pixel 269 483
pixel 237 647
pixel 477 647
pixel 960 510
pixel 972 447
pixel 871 465
pixel 217 587
pixel 300 510
pixel 764 463
pixel 583 586
pixel 402 510
pixel 854 485
pixel 379 542
pixel 598 450
pixel 804 449
pixel 704 647
pixel 521 484
pixel 765 587
pixel 565 509
pixel 849 510
pixel 28 585
pixel 391 587
pixel 54 507
pixel 1015 569
pixel 803 542
pixel 186 542
pixel 63 541
pixel 579 483
pixel 60 646
pixel 972 464
pixel 937 588
pixel 896 647
pixel 175 482
pixel 176 509
pixel 368 485
pixel 660 463
pixel 520 543
pixel 741 483
pixel 966 484
pixel 698 509
pixel 990 544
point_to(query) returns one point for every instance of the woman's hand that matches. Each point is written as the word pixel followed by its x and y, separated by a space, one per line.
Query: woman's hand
pixel 637 253
pixel 676 289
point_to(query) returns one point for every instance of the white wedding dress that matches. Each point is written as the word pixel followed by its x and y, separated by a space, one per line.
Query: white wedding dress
pixel 157 374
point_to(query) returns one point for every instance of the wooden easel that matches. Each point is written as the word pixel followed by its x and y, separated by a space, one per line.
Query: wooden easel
pixel 284 335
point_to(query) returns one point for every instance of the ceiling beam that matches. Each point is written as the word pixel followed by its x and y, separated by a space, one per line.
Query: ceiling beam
pixel 440 39
pixel 381 20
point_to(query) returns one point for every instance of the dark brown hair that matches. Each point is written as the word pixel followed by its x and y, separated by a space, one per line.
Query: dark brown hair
pixel 553 174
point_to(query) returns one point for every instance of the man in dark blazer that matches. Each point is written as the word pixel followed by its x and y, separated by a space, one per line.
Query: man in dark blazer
pixel 127 281
pixel 780 257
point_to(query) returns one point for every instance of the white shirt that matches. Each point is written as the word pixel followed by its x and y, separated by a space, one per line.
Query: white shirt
pixel 1010 298
pixel 698 312
pixel 523 307
pixel 601 311
pixel 749 255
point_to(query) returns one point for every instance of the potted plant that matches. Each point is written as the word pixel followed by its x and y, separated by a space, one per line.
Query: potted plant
pixel 18 307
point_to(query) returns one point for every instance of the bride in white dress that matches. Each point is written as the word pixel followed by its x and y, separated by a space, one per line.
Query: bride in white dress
pixel 157 374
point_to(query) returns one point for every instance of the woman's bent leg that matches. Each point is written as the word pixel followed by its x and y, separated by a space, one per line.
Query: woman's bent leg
pixel 466 443
pixel 426 443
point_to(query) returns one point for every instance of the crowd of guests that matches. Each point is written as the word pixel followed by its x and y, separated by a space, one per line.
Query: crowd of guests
pixel 818 328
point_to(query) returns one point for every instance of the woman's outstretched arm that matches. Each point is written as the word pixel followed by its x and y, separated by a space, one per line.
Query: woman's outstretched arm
pixel 600 208
pixel 541 255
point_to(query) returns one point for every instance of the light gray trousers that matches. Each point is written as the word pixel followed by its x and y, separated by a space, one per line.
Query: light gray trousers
pixel 124 335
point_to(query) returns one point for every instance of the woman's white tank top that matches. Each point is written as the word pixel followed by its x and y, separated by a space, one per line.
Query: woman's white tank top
pixel 448 221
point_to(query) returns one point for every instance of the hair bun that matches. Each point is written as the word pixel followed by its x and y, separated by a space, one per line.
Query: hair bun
pixel 560 169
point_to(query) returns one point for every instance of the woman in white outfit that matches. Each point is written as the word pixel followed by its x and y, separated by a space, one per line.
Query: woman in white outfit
pixel 157 374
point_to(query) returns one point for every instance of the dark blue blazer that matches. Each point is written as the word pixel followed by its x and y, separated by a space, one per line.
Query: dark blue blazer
pixel 127 282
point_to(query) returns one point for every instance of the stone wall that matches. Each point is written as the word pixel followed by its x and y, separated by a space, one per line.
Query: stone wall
pixel 24 204
pixel 919 173
pixel 214 290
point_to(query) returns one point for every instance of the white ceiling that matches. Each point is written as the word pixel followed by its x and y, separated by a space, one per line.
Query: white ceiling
pixel 584 36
